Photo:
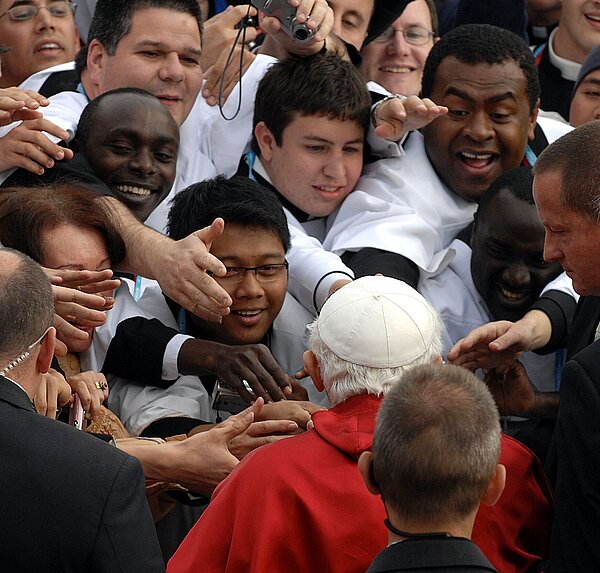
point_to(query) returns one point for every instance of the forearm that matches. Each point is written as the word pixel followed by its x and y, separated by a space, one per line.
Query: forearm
pixel 199 357
pixel 142 243
pixel 545 405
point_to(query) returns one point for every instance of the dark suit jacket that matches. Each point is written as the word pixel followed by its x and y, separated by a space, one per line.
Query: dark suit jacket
pixel 432 555
pixel 576 529
pixel 70 502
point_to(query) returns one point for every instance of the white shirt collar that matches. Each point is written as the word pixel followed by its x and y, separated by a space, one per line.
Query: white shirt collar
pixel 569 69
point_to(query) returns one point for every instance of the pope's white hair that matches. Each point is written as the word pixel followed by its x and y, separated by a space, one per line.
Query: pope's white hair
pixel 343 379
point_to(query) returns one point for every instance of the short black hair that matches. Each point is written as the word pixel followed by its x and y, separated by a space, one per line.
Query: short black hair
pixel 88 115
pixel 321 85
pixel 112 21
pixel 519 182
pixel 238 200
pixel 482 44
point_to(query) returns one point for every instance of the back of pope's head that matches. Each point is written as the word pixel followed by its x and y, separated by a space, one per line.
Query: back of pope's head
pixel 368 333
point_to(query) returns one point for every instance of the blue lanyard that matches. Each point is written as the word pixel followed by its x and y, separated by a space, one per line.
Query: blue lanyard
pixel 530 156
pixel 250 160
pixel 137 291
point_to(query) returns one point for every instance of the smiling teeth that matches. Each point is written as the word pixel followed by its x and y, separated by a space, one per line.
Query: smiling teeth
pixel 594 18
pixel 481 156
pixel 328 189
pixel 396 70
pixel 248 312
pixel 134 190
pixel 49 47
pixel 512 295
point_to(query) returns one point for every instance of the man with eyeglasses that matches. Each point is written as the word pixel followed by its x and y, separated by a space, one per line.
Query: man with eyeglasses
pixel 395 59
pixel 264 331
pixel 41 34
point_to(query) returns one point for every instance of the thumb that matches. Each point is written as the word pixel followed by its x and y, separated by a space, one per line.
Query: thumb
pixel 239 423
pixel 209 234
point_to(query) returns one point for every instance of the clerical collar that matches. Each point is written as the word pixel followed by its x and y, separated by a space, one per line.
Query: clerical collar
pixel 569 69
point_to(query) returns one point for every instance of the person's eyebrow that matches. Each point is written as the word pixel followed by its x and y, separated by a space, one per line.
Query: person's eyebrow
pixel 593 81
pixel 319 139
pixel 132 134
pixel 148 43
pixel 234 261
pixel 493 99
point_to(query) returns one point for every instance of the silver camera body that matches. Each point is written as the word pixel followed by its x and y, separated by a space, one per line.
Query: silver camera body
pixel 286 14
pixel 226 399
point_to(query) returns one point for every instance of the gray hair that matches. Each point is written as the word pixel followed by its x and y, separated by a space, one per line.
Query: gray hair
pixel 343 379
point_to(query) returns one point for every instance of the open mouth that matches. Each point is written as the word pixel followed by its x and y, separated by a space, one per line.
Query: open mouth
pixel 513 297
pixel 396 69
pixel 246 312
pixel 48 47
pixel 327 188
pixel 134 190
pixel 593 18
pixel 476 160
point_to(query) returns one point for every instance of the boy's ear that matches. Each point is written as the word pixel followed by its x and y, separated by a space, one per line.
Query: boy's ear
pixel 312 367
pixel 265 140
pixel 495 487
pixel 365 467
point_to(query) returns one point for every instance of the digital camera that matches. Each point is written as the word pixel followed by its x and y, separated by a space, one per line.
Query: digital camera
pixel 286 14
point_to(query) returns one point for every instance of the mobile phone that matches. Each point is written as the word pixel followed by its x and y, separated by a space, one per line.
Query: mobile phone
pixel 286 14
pixel 76 414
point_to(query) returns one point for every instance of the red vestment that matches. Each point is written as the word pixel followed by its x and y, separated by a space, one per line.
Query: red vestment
pixel 300 505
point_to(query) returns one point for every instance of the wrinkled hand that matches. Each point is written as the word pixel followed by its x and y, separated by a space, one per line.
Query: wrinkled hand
pixel 299 412
pixel 501 342
pixel 181 272
pixel 91 282
pixel 511 389
pixel 255 364
pixel 396 117
pixel 27 146
pixel 75 301
pixel 17 104
pixel 315 13
pixel 52 393
pixel 261 434
pixel 84 385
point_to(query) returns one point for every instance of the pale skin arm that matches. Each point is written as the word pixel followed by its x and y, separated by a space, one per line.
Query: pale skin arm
pixel 179 266
pixel 203 460
pixel 501 342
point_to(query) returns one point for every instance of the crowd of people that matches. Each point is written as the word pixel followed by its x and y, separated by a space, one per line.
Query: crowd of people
pixel 241 262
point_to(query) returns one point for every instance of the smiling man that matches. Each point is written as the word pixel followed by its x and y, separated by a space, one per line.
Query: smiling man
pixel 41 34
pixel 310 119
pixel 415 200
pixel 131 142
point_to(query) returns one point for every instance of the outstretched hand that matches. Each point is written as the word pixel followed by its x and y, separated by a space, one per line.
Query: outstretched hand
pixel 396 117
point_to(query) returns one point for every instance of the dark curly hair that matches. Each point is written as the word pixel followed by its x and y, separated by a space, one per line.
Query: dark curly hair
pixel 482 44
